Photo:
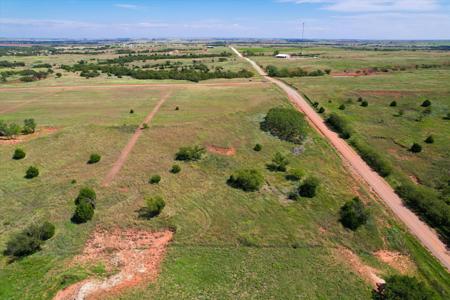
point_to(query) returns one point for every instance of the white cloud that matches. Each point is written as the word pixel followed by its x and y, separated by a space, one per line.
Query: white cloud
pixel 126 6
pixel 353 6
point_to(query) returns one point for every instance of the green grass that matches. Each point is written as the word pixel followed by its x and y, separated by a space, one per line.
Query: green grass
pixel 228 244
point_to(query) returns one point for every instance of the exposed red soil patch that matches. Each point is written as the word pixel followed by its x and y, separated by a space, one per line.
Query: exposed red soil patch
pixel 367 273
pixel 415 179
pixel 398 261
pixel 221 150
pixel 137 254
pixel 24 138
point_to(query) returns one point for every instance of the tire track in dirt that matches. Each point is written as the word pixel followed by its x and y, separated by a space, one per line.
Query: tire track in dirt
pixel 426 235
pixel 132 142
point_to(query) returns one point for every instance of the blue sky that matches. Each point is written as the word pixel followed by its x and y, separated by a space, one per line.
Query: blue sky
pixel 364 19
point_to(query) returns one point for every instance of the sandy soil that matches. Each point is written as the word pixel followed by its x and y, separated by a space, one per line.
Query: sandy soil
pixel 129 146
pixel 367 273
pixel 381 188
pixel 137 254
pixel 396 260
pixel 221 150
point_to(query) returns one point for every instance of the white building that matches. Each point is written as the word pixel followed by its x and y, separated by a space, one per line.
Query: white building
pixel 285 56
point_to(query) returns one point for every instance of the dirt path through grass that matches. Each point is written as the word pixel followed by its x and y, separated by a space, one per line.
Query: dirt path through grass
pixel 385 192
pixel 126 151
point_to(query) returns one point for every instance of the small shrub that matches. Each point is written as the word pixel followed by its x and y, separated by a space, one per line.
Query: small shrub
pixel 175 169
pixel 403 287
pixel 429 139
pixel 342 107
pixel 18 154
pixel 279 163
pixel 426 103
pixel 393 104
pixel 94 158
pixel 353 214
pixel 447 117
pixel 58 75
pixel 257 147
pixel 190 153
pixel 73 181
pixel 177 108
pixel 46 231
pixel 145 126
pixel 32 172
pixel 309 187
pixel 364 103
pixel 248 180
pixel 87 194
pixel 154 205
pixel 295 175
pixel 360 99
pixel 131 111
pixel 416 148
pixel 155 179
pixel 84 212
pixel 321 110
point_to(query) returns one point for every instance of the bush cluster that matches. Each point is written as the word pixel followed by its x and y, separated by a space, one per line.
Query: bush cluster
pixel 425 202
pixel 373 159
pixel 190 153
pixel 286 124
pixel 353 214
pixel 295 175
pixel 12 129
pixel 415 148
pixel 85 205
pixel 29 240
pixel 298 72
pixel 248 180
pixel 340 125
pixel 308 188
pixel 257 147
pixel 403 287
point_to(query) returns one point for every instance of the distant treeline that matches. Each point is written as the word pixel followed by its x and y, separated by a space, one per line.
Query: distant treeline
pixel 298 72
pixel 131 58
pixel 193 73
pixel 9 64
pixel 27 75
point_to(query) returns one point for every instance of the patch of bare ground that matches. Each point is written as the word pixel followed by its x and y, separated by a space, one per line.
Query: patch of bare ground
pixel 367 273
pixel 221 150
pixel 396 260
pixel 415 179
pixel 25 138
pixel 137 254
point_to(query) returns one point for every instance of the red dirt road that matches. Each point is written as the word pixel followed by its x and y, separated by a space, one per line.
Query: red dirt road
pixel 126 151
pixel 422 231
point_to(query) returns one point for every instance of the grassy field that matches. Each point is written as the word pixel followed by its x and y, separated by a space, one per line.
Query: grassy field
pixel 228 243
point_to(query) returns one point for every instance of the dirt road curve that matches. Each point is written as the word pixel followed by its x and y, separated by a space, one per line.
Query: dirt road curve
pixel 126 151
pixel 422 231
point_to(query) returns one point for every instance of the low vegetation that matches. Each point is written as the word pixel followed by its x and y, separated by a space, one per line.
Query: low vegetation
pixel 427 203
pixel 286 124
pixel 248 180
pixel 175 169
pixel 10 130
pixel 279 163
pixel 298 72
pixel 340 125
pixel 308 188
pixel 372 158
pixel 258 147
